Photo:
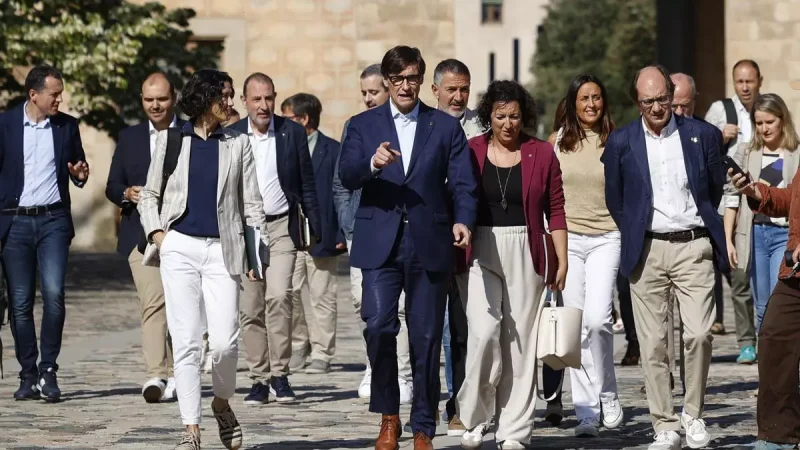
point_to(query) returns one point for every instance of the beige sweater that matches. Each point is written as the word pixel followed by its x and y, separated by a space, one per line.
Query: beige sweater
pixel 584 187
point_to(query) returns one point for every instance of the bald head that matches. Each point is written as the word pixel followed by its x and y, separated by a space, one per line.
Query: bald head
pixel 683 100
pixel 158 100
pixel 652 89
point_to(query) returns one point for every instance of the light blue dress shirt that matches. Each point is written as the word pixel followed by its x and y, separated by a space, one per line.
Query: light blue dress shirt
pixel 40 186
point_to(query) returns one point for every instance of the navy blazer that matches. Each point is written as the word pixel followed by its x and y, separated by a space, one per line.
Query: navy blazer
pixel 129 167
pixel 295 172
pixel 68 149
pixel 629 191
pixel 324 161
pixel 440 154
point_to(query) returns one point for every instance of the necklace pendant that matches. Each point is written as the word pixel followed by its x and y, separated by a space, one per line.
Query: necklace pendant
pixel 504 204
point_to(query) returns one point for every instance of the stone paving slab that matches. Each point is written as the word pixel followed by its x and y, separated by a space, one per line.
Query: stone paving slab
pixel 101 371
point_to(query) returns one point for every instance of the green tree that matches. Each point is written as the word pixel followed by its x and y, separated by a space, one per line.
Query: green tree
pixel 607 38
pixel 104 48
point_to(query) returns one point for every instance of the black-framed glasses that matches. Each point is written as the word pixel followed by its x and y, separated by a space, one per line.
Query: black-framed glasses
pixel 649 102
pixel 413 80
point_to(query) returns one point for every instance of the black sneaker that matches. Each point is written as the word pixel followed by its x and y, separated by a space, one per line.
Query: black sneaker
pixel 48 384
pixel 281 389
pixel 259 395
pixel 28 388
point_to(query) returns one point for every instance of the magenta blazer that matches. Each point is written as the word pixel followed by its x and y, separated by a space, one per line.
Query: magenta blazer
pixel 542 193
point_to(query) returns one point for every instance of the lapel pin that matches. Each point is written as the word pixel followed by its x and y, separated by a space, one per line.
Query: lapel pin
pixel 694 139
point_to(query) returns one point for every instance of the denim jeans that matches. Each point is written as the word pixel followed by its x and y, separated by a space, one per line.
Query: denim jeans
pixel 769 245
pixel 448 360
pixel 37 242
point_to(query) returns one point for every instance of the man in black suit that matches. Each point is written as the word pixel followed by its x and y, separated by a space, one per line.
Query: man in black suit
pixel 126 177
pixel 286 181
pixel 40 153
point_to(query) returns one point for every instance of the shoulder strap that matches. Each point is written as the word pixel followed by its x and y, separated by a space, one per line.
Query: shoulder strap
pixel 730 112
pixel 174 137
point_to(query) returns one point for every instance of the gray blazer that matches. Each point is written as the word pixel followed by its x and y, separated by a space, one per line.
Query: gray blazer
pixel 750 161
pixel 238 197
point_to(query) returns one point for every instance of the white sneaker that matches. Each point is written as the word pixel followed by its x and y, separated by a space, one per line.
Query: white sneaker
pixel 406 391
pixel 512 445
pixel 611 413
pixel 666 440
pixel 473 439
pixel 365 389
pixel 696 434
pixel 170 393
pixel 589 427
pixel 153 390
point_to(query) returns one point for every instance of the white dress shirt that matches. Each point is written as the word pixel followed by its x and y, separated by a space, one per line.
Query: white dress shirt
pixel 406 127
pixel 265 153
pixel 674 208
pixel 716 116
pixel 40 183
pixel 154 132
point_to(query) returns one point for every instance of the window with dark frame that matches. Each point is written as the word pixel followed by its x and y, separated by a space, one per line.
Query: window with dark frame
pixel 491 11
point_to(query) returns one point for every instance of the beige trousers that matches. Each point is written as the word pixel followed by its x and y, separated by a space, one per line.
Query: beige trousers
pixel 156 344
pixel 403 349
pixel 501 294
pixel 266 309
pixel 688 270
pixel 314 317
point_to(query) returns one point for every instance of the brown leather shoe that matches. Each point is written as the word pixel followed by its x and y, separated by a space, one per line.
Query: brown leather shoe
pixel 390 433
pixel 422 441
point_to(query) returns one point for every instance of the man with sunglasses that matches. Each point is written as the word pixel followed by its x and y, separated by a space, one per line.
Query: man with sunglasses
pixel 400 154
pixel 664 182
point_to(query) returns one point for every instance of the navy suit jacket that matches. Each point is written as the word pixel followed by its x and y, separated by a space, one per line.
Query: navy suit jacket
pixel 629 191
pixel 440 154
pixel 129 167
pixel 295 172
pixel 324 162
pixel 68 149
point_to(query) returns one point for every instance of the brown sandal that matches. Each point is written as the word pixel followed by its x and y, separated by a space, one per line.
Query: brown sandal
pixel 718 329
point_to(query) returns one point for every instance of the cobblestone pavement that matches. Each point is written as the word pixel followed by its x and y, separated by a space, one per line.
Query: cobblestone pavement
pixel 101 371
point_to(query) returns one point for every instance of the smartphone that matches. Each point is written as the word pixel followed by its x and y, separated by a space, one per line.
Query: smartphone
pixel 731 164
pixel 788 259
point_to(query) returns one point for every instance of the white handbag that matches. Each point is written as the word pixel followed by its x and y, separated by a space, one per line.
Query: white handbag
pixel 558 339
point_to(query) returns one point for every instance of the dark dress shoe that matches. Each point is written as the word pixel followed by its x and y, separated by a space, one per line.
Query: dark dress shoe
pixel 422 441
pixel 390 433
pixel 631 357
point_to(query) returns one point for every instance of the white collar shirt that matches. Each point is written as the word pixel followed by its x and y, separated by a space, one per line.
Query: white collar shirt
pixel 40 182
pixel 265 153
pixel 153 133
pixel 406 127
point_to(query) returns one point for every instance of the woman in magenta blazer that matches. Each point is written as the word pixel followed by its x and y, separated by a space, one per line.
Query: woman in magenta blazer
pixel 505 271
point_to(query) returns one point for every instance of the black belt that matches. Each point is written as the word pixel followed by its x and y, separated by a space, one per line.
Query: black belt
pixel 274 217
pixel 679 236
pixel 33 210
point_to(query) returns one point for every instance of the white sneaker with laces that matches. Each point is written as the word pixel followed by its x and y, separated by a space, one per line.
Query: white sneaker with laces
pixel 153 390
pixel 170 393
pixel 611 413
pixel 473 439
pixel 589 427
pixel 696 434
pixel 365 388
pixel 406 391
pixel 666 440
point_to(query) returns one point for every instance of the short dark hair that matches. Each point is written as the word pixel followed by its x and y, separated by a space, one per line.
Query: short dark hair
pixel 172 90
pixel 634 93
pixel 505 91
pixel 751 63
pixel 36 78
pixel 258 76
pixel 371 70
pixel 303 104
pixel 399 58
pixel 453 66
pixel 202 91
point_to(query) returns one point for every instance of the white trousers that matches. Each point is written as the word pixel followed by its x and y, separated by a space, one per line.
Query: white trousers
pixel 501 294
pixel 593 264
pixel 194 276
pixel 403 349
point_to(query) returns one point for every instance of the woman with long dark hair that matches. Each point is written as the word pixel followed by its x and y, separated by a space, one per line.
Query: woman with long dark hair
pixel 594 252
pixel 519 183
pixel 196 232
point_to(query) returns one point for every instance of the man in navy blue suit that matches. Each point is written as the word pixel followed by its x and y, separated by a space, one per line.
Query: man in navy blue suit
pixel 286 181
pixel 664 182
pixel 40 152
pixel 126 177
pixel 401 155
